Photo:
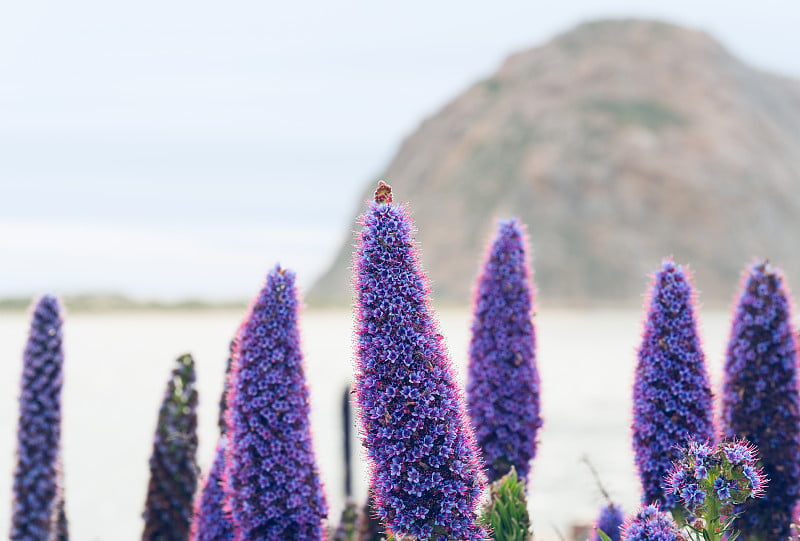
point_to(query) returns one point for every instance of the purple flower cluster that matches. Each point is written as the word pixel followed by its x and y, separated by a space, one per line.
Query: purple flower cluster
pixel 672 399
pixel 271 475
pixel 173 466
pixel 426 474
pixel 610 522
pixel 718 477
pixel 651 524
pixel 37 502
pixel 760 400
pixel 211 522
pixel 503 383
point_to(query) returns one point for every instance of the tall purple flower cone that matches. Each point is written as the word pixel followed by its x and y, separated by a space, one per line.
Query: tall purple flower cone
pixel 211 522
pixel 609 521
pixel 672 398
pixel 760 397
pixel 426 474
pixel 272 478
pixel 173 463
pixel 37 499
pixel 503 383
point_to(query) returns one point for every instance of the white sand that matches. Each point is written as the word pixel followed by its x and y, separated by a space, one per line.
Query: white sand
pixel 117 365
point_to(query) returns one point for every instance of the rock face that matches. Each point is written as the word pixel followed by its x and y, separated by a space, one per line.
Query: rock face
pixel 618 143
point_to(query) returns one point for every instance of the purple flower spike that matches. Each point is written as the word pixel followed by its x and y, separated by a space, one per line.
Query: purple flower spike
pixel 609 522
pixel 425 470
pixel 760 397
pixel 651 524
pixel 211 522
pixel 672 399
pixel 38 504
pixel 271 475
pixel 173 464
pixel 503 383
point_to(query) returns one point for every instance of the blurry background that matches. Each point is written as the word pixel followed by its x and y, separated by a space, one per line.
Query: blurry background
pixel 159 152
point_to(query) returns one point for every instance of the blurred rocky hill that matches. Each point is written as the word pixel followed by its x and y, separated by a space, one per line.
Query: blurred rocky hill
pixel 618 143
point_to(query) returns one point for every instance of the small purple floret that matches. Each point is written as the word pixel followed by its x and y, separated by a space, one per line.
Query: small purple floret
pixel 760 400
pixel 610 522
pixel 503 382
pixel 672 399
pixel 712 481
pixel 37 499
pixel 425 470
pixel 271 473
pixel 651 524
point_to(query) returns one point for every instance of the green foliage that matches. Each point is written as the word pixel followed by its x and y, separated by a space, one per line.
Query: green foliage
pixel 507 511
pixel 645 113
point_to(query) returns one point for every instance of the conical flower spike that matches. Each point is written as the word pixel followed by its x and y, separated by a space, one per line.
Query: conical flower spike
pixel 371 528
pixel 503 384
pixel 425 470
pixel 672 399
pixel 37 503
pixel 211 522
pixel 271 473
pixel 173 464
pixel 760 397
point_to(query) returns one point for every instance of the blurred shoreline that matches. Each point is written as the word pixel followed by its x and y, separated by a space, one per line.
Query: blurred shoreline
pixel 121 303
pixel 114 302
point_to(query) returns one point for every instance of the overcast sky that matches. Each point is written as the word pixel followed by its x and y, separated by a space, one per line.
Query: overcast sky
pixel 176 148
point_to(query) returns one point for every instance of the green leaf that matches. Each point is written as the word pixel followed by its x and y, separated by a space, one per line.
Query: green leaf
pixel 507 511
pixel 603 535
